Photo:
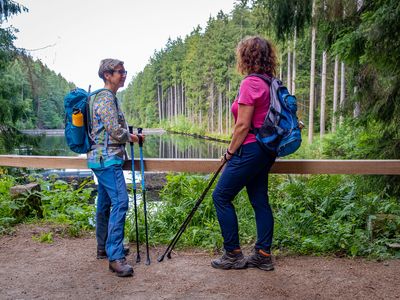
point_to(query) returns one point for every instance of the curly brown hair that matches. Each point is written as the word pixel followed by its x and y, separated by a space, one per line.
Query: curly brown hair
pixel 256 55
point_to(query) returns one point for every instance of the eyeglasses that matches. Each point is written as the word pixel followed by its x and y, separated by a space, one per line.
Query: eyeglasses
pixel 121 72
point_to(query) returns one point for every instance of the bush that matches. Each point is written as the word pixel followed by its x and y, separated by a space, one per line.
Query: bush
pixel 321 214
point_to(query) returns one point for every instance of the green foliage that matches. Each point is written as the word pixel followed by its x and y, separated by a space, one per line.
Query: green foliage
pixel 30 94
pixel 7 206
pixel 284 16
pixel 203 61
pixel 365 139
pixel 9 8
pixel 352 141
pixel 178 198
pixel 63 204
pixel 319 214
pixel 328 214
pixel 60 203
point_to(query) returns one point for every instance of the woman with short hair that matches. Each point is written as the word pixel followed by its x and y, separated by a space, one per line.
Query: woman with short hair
pixel 109 134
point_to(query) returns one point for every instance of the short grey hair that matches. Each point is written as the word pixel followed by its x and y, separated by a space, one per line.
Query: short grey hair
pixel 108 65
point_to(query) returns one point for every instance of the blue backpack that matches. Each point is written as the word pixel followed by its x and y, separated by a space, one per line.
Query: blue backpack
pixel 281 130
pixel 77 120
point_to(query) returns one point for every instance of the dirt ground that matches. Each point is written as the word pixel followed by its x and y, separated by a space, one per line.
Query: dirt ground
pixel 68 269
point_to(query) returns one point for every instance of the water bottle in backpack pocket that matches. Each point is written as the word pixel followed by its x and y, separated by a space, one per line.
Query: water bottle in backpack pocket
pixel 77 128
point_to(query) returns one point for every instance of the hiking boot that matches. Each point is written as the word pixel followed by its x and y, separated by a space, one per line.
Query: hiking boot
pixel 102 254
pixel 230 260
pixel 121 268
pixel 260 259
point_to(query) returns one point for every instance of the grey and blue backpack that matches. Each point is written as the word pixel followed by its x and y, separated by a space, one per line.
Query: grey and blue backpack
pixel 280 133
pixel 78 137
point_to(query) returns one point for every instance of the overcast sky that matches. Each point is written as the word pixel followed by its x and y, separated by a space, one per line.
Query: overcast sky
pixel 79 33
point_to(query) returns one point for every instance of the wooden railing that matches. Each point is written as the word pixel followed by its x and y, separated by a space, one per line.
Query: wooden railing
pixel 282 166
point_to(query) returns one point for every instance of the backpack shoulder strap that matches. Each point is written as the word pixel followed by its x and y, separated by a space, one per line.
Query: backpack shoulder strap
pixel 267 79
pixel 90 108
pixel 275 107
pixel 100 90
pixel 95 93
pixel 89 111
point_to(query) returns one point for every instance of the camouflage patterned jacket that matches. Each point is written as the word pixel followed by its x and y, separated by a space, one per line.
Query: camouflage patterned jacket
pixel 109 131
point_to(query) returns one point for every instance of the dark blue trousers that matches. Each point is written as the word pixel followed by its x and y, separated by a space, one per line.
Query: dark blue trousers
pixel 112 205
pixel 248 168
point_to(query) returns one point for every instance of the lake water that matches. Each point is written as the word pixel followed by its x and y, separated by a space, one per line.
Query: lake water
pixel 163 145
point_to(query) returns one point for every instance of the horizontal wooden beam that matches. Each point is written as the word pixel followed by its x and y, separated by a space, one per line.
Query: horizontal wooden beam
pixel 282 166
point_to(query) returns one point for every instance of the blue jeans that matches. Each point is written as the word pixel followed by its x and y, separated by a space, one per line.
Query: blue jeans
pixel 112 205
pixel 248 168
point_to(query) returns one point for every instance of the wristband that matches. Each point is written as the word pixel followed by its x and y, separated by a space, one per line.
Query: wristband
pixel 227 151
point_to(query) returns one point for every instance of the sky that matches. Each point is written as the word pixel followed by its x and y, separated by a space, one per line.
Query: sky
pixel 72 36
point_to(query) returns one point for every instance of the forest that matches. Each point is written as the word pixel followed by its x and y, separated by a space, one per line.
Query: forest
pixel 340 58
pixel 31 95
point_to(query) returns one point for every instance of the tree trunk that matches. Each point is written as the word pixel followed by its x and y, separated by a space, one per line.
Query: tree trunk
pixel 35 96
pixel 312 80
pixel 200 113
pixel 357 107
pixel 212 106
pixel 171 103
pixel 175 103
pixel 183 98
pixel 226 115
pixel 220 112
pixel 293 85
pixel 159 102
pixel 335 93
pixel 229 111
pixel 323 96
pixel 342 92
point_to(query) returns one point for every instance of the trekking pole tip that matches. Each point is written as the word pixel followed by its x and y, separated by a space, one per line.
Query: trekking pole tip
pixel 160 258
pixel 148 262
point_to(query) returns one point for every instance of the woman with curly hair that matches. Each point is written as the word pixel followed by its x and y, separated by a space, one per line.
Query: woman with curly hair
pixel 247 163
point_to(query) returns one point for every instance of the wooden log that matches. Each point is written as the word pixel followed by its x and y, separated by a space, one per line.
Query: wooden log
pixel 31 203
pixel 282 166
pixel 18 190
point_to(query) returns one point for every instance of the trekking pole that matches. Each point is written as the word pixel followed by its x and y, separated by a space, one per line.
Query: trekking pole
pixel 189 217
pixel 134 197
pixel 144 194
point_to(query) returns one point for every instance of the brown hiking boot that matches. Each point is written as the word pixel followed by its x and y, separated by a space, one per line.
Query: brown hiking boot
pixel 121 268
pixel 260 259
pixel 101 254
pixel 230 260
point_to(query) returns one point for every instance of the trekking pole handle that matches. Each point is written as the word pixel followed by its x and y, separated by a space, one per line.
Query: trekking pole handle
pixel 130 131
pixel 140 130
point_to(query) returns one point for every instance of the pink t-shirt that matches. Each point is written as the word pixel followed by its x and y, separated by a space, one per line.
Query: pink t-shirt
pixel 253 91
